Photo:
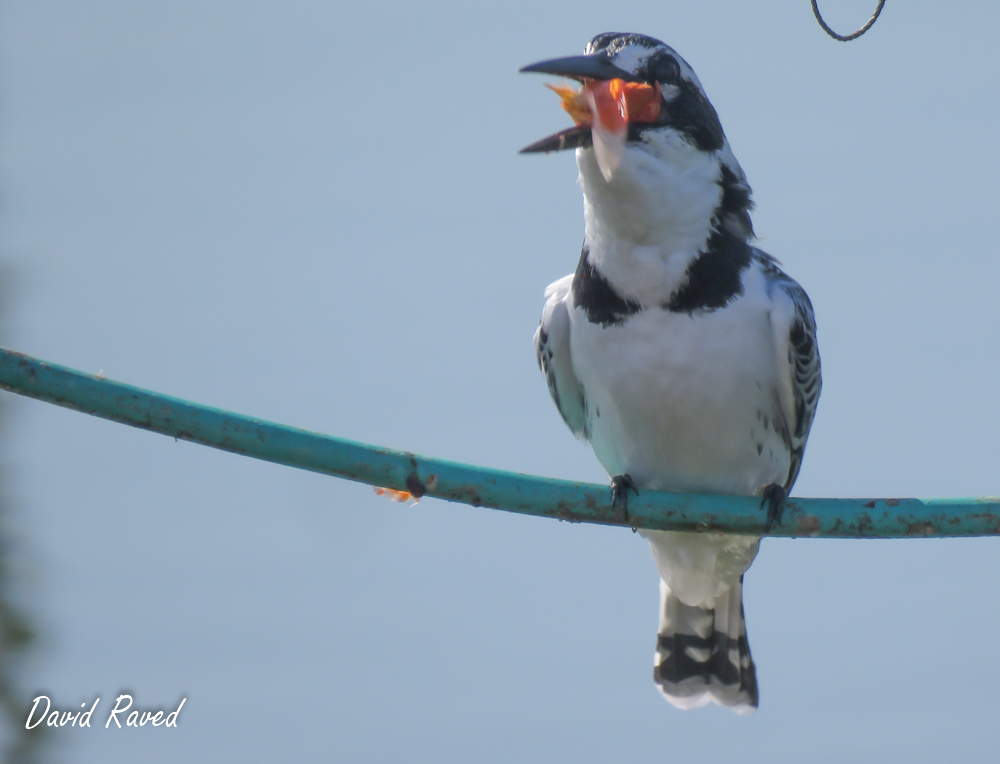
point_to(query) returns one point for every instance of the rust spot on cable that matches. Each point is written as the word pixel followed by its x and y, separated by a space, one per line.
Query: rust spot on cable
pixel 809 525
pixel 920 528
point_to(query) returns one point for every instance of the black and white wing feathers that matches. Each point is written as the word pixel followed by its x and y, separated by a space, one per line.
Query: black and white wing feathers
pixel 798 358
pixel 554 358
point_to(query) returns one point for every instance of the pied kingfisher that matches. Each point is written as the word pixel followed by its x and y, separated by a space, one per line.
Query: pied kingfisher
pixel 682 352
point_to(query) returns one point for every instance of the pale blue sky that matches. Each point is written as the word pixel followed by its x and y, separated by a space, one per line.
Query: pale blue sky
pixel 316 214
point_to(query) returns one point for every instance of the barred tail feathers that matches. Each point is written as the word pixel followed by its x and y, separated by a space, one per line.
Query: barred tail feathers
pixel 702 654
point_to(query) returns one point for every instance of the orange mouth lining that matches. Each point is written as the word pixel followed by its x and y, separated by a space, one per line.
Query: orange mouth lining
pixel 615 102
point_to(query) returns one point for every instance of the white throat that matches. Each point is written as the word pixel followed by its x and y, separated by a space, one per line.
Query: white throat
pixel 648 223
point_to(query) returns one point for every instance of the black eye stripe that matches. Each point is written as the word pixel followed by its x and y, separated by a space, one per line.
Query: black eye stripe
pixel 661 67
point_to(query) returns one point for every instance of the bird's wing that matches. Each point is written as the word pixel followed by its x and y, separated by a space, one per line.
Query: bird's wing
pixel 554 358
pixel 800 378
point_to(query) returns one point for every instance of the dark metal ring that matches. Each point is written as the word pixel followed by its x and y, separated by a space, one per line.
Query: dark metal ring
pixel 853 36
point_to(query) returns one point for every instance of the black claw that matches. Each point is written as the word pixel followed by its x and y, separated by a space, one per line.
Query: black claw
pixel 620 486
pixel 775 496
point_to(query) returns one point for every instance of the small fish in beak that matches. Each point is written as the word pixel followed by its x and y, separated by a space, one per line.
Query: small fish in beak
pixel 607 107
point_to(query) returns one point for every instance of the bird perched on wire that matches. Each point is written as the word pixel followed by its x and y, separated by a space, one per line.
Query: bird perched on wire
pixel 682 352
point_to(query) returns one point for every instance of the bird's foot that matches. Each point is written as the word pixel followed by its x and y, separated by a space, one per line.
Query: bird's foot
pixel 620 486
pixel 775 497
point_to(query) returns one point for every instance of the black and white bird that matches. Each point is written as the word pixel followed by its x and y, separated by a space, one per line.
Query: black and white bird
pixel 682 352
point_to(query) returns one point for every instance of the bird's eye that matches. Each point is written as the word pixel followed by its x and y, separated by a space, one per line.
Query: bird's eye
pixel 664 69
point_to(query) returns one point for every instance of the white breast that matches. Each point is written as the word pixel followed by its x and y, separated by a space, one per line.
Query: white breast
pixel 686 403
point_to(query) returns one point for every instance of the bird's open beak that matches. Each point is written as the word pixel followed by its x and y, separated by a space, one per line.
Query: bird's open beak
pixel 610 100
pixel 596 66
